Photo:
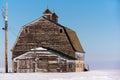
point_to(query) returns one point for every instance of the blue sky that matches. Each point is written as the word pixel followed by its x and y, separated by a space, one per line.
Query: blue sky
pixel 96 22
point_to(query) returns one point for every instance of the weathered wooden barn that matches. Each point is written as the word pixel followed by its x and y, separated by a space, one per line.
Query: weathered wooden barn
pixel 44 45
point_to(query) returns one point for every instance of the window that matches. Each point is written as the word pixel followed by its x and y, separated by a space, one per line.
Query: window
pixel 26 30
pixel 61 31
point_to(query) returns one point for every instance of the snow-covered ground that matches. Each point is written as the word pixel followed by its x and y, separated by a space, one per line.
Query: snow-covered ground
pixel 91 75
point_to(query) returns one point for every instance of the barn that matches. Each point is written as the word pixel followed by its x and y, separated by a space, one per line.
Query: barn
pixel 44 45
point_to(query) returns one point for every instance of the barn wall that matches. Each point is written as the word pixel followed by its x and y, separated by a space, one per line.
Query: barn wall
pixel 79 66
pixel 39 62
pixel 70 66
pixel 55 64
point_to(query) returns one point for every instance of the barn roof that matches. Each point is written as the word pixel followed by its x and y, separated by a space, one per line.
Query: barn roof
pixel 44 50
pixel 74 40
pixel 72 37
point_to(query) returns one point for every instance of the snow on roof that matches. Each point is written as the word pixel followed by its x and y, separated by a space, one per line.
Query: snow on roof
pixel 39 48
pixel 35 50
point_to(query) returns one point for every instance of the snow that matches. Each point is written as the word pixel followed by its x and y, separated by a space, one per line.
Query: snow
pixel 90 75
pixel 39 48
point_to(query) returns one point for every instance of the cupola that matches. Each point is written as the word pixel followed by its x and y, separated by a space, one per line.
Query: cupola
pixel 51 16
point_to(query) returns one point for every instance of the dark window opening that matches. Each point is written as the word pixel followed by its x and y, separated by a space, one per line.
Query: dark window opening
pixel 61 31
pixel 26 31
